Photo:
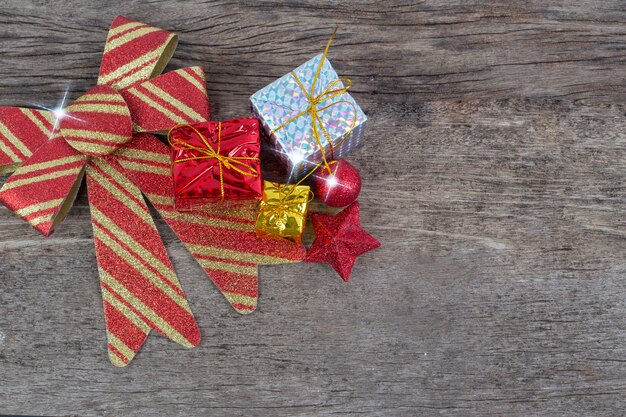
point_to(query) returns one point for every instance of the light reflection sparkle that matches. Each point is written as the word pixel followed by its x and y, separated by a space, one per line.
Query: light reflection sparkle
pixel 58 111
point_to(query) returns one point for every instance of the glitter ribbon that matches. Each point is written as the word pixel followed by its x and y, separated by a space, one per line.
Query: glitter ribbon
pixel 235 163
pixel 331 91
pixel 139 286
pixel 140 289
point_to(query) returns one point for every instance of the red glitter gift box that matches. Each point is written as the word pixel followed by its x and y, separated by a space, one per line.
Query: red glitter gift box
pixel 216 162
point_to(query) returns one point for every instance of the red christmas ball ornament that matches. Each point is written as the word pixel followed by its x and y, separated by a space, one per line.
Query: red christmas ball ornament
pixel 339 187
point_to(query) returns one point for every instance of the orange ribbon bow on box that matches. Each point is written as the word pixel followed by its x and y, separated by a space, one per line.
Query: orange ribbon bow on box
pixel 103 135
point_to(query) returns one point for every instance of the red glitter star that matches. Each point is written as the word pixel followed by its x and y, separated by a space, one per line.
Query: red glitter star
pixel 339 240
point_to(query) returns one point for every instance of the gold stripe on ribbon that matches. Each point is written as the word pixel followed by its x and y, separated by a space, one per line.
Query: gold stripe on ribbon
pixel 124 309
pixel 15 141
pixel 234 255
pixel 145 155
pixel 96 148
pixel 123 28
pixel 4 169
pixel 140 267
pixel 152 169
pixel 34 208
pixel 245 300
pixel 205 221
pixel 228 267
pixel 147 100
pixel 120 346
pixel 33 118
pixel 120 108
pixel 193 80
pixel 164 200
pixel 101 97
pixel 163 95
pixel 53 175
pixel 85 135
pixel 26 169
pixel 146 311
pixel 128 37
pixel 115 360
pixel 37 207
pixel 9 152
pixel 198 71
pixel 139 128
pixel 40 219
pixel 121 71
pixel 115 188
pixel 135 246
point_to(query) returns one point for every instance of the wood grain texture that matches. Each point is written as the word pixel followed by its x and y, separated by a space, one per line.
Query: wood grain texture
pixel 494 176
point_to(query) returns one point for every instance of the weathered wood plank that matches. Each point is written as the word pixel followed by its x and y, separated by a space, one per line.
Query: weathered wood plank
pixel 493 175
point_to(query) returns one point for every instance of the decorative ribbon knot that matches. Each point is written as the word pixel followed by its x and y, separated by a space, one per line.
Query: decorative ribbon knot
pixel 278 217
pixel 334 89
pixel 278 214
pixel 235 163
pixel 98 122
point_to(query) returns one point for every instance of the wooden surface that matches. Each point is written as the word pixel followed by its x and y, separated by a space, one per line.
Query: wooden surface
pixel 494 176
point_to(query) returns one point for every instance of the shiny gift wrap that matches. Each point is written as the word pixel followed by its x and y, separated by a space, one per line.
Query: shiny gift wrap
pixel 282 212
pixel 216 162
pixel 282 107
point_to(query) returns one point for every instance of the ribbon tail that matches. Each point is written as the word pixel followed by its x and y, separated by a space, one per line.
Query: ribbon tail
pixel 224 244
pixel 22 131
pixel 178 97
pixel 43 189
pixel 134 52
pixel 140 289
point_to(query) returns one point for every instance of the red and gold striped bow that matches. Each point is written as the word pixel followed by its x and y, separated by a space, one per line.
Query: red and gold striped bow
pixel 104 136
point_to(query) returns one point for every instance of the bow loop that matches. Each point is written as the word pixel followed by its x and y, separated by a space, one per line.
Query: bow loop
pixel 178 97
pixel 134 52
pixel 22 131
pixel 43 189
pixel 334 89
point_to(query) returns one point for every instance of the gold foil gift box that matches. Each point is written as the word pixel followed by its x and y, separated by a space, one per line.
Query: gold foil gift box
pixel 282 212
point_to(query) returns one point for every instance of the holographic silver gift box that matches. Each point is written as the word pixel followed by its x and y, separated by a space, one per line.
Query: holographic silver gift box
pixel 291 116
